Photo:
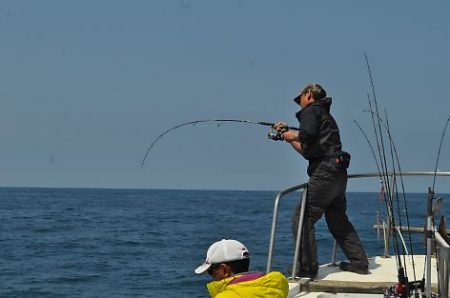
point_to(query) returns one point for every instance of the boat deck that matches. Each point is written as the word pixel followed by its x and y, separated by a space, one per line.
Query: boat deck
pixel 332 282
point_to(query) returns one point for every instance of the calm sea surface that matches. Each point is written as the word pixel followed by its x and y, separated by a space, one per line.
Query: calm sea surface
pixel 146 243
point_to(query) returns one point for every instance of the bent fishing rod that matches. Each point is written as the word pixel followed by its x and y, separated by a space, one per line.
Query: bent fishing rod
pixel 272 135
pixel 439 152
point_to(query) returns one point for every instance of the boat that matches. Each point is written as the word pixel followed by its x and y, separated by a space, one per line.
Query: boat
pixel 386 273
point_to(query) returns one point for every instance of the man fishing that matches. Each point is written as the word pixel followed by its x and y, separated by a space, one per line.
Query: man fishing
pixel 318 141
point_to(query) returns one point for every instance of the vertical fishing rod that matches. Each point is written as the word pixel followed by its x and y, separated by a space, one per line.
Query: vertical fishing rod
pixel 384 170
pixel 402 278
pixel 383 164
pixel 402 275
pixel 403 287
pixel 394 187
pixel 380 175
pixel 385 177
pixel 381 151
pixel 416 284
pixel 398 164
pixel 394 172
pixel 394 148
pixel 405 205
pixel 370 146
pixel 429 231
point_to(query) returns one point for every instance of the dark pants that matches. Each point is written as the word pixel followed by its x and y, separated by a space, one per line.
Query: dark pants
pixel 326 195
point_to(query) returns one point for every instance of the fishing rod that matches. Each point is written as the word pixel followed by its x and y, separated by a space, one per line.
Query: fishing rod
pixel 370 146
pixel 403 286
pixel 382 157
pixel 380 176
pixel 430 218
pixel 439 152
pixel 394 151
pixel 378 133
pixel 430 215
pixel 381 151
pixel 272 135
pixel 394 179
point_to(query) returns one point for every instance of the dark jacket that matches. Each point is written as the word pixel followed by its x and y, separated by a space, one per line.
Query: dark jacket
pixel 319 134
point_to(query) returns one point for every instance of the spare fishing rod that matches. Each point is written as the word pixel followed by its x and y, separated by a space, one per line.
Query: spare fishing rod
pixel 394 183
pixel 429 231
pixel 402 288
pixel 439 152
pixel 380 176
pixel 273 135
pixel 383 163
pixel 380 146
pixel 405 205
pixel 429 224
pixel 390 196
pixel 370 146
pixel 412 285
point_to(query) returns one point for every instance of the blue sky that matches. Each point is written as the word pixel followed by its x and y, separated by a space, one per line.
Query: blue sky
pixel 85 86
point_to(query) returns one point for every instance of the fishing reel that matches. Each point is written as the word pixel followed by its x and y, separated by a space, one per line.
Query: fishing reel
pixel 276 135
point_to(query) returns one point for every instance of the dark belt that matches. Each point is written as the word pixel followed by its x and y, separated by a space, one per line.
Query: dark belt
pixel 339 161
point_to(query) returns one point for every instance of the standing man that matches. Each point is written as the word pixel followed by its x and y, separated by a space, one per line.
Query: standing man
pixel 319 142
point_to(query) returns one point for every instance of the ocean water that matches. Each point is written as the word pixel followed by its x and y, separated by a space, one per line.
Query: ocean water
pixel 146 243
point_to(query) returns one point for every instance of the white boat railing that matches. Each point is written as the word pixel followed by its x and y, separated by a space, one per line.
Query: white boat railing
pixel 443 265
pixel 445 250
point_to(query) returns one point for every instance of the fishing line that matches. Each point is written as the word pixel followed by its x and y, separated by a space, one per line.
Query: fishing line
pixel 221 121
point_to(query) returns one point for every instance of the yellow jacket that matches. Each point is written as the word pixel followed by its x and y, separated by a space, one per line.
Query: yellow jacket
pixel 273 285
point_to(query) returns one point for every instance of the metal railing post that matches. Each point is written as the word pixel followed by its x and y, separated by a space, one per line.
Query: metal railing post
pixel 334 253
pixel 275 219
pixel 272 232
pixel 387 237
pixel 443 261
pixel 299 232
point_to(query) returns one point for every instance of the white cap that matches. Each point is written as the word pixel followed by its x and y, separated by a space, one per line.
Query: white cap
pixel 222 252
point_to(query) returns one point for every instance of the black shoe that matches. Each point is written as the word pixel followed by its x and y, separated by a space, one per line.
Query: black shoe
pixel 302 273
pixel 345 266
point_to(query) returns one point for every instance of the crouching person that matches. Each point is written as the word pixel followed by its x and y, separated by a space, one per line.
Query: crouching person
pixel 228 261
